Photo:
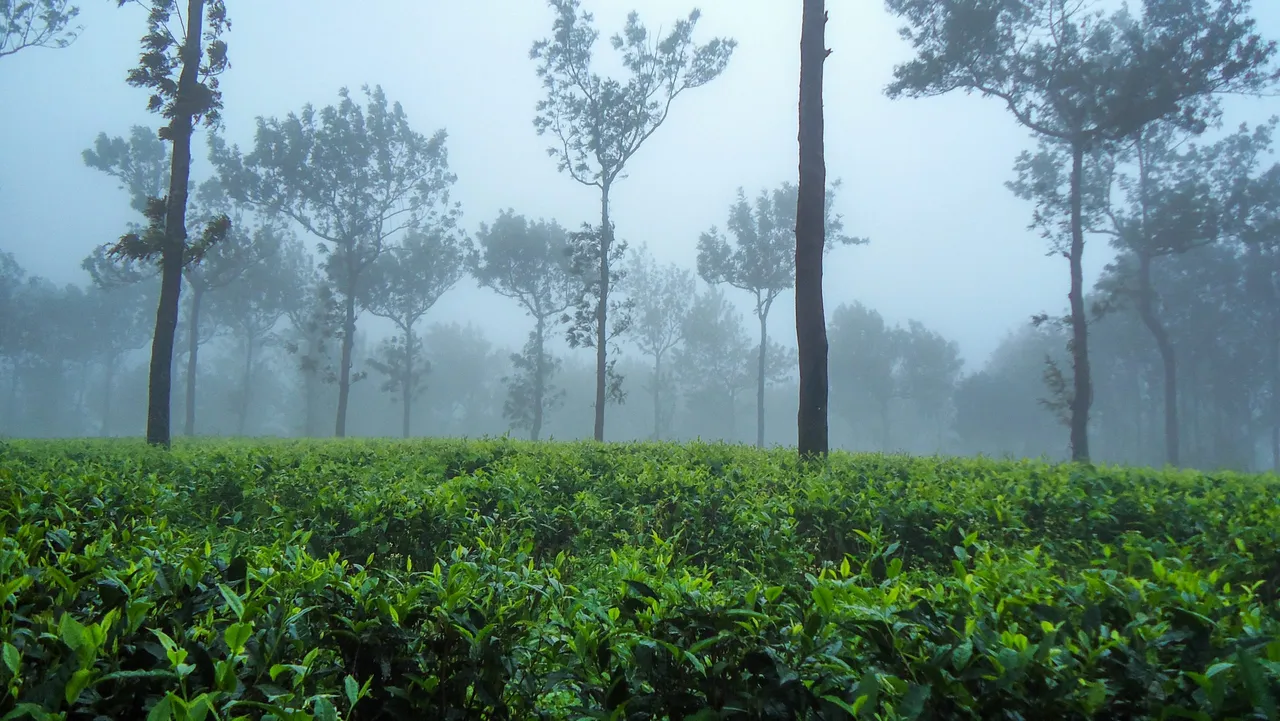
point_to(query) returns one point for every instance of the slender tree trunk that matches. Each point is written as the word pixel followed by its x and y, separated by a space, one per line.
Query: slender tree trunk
pixel 160 382
pixel 1082 395
pixel 657 405
pixel 539 377
pixel 811 328
pixel 407 385
pixel 1147 311
pixel 764 345
pixel 602 311
pixel 13 399
pixel 108 380
pixel 344 372
pixel 193 348
pixel 246 385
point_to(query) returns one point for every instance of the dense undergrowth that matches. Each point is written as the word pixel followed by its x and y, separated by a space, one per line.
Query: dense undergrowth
pixel 505 580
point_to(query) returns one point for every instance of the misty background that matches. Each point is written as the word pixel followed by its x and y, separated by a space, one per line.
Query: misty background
pixel 923 180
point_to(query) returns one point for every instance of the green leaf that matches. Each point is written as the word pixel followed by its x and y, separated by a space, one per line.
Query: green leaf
pixel 823 597
pixel 233 600
pixel 237 635
pixel 71 632
pixel 12 658
pixel 913 702
pixel 352 688
pixel 76 684
pixel 325 710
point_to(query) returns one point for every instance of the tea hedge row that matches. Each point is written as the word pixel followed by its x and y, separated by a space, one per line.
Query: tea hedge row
pixel 504 580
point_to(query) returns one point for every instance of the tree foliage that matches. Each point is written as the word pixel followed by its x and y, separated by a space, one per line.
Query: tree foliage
pixel 36 24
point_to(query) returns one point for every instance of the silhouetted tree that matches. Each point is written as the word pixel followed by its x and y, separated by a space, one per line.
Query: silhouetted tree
pixel 811 324
pixel 1079 79
pixel 587 326
pixel 528 262
pixel 762 259
pixel 36 24
pixel 661 297
pixel 866 363
pixel 181 60
pixel 1165 206
pixel 405 283
pixel 353 177
pixel 599 123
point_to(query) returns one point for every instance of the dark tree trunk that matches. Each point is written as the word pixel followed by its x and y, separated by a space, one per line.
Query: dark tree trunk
pixel 1082 395
pixel 344 371
pixel 160 381
pixel 539 377
pixel 1147 311
pixel 108 380
pixel 602 313
pixel 811 328
pixel 193 349
pixel 764 346
pixel 246 385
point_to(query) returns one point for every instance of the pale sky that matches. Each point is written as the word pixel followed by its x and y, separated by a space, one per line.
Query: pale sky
pixel 923 179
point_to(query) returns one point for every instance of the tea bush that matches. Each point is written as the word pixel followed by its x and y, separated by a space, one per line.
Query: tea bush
pixel 507 580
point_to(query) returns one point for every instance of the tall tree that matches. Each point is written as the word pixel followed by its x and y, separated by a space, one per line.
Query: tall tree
pixel 118 319
pixel 1079 79
pixel 811 323
pixel 930 370
pixel 528 262
pixel 762 259
pixel 181 60
pixel 599 123
pixel 1165 207
pixel 661 297
pixel 714 363
pixel 252 306
pixel 247 244
pixel 404 284
pixel 587 326
pixel 355 178
pixel 866 362
pixel 36 24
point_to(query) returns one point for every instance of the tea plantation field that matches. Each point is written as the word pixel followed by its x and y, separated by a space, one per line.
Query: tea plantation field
pixel 506 580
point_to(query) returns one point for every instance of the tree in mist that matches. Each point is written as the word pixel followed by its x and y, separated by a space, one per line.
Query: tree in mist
pixel 1249 193
pixel 465 371
pixel 661 297
pixel 181 60
pixel 118 321
pixel 811 324
pixel 140 163
pixel 315 320
pixel 1080 79
pixel 713 364
pixel 252 306
pixel 762 259
pixel 528 262
pixel 930 369
pixel 36 24
pixel 1165 207
pixel 246 245
pixel 12 279
pixel 866 366
pixel 599 123
pixel 353 177
pixel 587 326
pixel 404 283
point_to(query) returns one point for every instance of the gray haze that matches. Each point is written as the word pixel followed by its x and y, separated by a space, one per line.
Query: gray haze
pixel 922 179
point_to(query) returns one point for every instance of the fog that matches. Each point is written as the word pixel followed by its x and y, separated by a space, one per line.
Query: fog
pixel 923 180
